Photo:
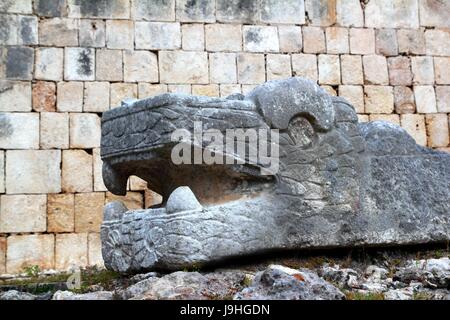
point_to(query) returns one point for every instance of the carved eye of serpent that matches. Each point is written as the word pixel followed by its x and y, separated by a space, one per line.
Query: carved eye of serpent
pixel 301 132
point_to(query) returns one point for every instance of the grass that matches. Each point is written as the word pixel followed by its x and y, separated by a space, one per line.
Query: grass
pixel 364 296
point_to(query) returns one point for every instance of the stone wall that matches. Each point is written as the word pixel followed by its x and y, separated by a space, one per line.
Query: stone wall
pixel 64 62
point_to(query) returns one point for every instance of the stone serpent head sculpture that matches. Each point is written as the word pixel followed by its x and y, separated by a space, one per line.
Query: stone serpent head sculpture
pixel 337 182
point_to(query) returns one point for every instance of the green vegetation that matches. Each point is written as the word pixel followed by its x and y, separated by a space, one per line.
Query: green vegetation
pixel 364 296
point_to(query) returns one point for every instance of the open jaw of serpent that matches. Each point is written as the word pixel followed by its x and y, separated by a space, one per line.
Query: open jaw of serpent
pixel 336 183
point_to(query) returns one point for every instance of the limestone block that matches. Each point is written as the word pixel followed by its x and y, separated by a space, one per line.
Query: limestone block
pixel 84 130
pixel 148 90
pixel 193 37
pixel 288 11
pixel 195 11
pixel 111 9
pixel 54 130
pixel 71 251
pixel 89 211
pixel 79 64
pixel 313 40
pixel 122 91
pixel 246 88
pixel 153 10
pixel 321 12
pixel 261 39
pixel 305 65
pixel 392 14
pixel 414 124
pixel 49 64
pixel 14 136
pixel 66 29
pixel 290 38
pixel 28 250
pixel 15 96
pixel 209 90
pixel 251 68
pixel 222 67
pixel 362 41
pixel 411 41
pixel 132 200
pixel 152 198
pixel 119 34
pixel 76 171
pixel 95 257
pixel 109 65
pixel 60 212
pixel 183 67
pixel 329 69
pixel 179 88
pixel 2 171
pixel 8 26
pixel 422 70
pixel 375 70
pixel 69 96
pixel 363 118
pixel 329 89
pixel 352 71
pixel 392 118
pixel 140 66
pixel 33 171
pixel 425 99
pixel 44 96
pixel 238 11
pixel 92 33
pixel 386 42
pixel 2 255
pixel 443 98
pixel 378 99
pixel 442 70
pixel 349 13
pixel 337 40
pixel 44 8
pixel 16 63
pixel 137 184
pixel 97 170
pixel 223 37
pixel 437 42
pixel 158 35
pixel 399 71
pixel 434 13
pixel 404 100
pixel 96 96
pixel 229 89
pixel 23 213
pixel 437 130
pixel 278 66
pixel 27 30
pixel 18 6
pixel 354 95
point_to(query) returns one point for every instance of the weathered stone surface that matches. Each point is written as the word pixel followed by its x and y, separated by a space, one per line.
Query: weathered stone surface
pixel 260 39
pixel 2 255
pixel 95 250
pixel 193 37
pixel 97 170
pixel 76 171
pixel 71 251
pixel 132 200
pixel 19 6
pixel 329 69
pixel 70 296
pixel 84 130
pixel 210 90
pixel 437 130
pixel 411 41
pixel 153 10
pixel 60 213
pixel 362 41
pixel 290 38
pixel 45 8
pixel 352 70
pixel 16 63
pixel 443 98
pixel 2 171
pixel 422 70
pixel 349 13
pixel 313 40
pixel 179 88
pixel 13 136
pixel 329 165
pixel 49 64
pixel 251 68
pixel 54 129
pixel 122 91
pixel 28 250
pixel 289 11
pixel 44 96
pixel 375 70
pixel 223 37
pixel 158 35
pixel 282 283
pixel 442 70
pixel 140 66
pixel 239 11
pixel 69 96
pixel 66 29
pixel 88 211
pixel 96 96
pixel 79 64
pixel 146 90
pixel 414 124
pixel 15 96
pixel 321 12
pixel 23 213
pixel 354 95
pixel 222 67
pixel 183 67
pixel 105 9
pixel 92 33
pixel 33 171
pixel 14 295
pixel 229 89
pixel 278 66
pixel 386 42
pixel 195 11
pixel 425 99
pixel 337 40
pixel 392 118
pixel 404 100
pixel 437 42
pixel 399 71
pixel 305 65
pixel 392 14
pixel 119 34
pixel 434 13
